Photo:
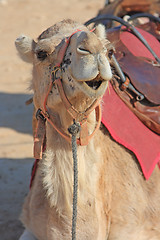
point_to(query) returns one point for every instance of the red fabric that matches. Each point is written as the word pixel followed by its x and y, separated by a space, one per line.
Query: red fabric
pixel 127 130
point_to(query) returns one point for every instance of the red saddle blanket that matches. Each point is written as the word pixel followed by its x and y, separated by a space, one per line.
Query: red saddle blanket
pixel 129 131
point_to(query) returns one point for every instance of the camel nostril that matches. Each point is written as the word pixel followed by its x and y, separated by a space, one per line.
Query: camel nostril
pixel 83 51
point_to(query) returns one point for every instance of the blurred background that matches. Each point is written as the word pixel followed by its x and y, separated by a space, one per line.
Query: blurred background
pixel 29 17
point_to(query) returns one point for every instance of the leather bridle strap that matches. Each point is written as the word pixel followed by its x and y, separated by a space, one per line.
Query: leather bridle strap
pixel 69 107
pixel 43 115
pixel 80 140
pixel 80 116
pixel 60 58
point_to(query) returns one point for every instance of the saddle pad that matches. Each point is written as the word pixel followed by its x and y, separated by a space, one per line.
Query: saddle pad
pixel 128 130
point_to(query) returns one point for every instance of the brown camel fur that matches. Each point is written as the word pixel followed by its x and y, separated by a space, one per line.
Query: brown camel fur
pixel 115 202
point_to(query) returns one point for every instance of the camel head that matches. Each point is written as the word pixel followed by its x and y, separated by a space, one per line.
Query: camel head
pixel 84 70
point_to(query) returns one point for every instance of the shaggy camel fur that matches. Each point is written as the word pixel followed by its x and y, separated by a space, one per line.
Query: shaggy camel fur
pixel 115 202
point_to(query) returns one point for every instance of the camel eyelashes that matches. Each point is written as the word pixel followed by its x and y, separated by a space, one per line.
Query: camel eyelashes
pixel 41 55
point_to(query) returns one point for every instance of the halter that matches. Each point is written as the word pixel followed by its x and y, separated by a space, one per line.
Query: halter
pixel 43 114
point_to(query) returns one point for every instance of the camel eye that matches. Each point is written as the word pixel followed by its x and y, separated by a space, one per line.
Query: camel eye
pixel 41 55
pixel 83 51
pixel 110 53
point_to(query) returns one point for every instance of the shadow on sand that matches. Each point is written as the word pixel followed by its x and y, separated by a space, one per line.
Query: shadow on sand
pixel 14 185
pixel 14 113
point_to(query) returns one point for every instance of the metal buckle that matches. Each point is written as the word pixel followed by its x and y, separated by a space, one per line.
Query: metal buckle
pixel 54 73
pixel 39 114
pixel 128 84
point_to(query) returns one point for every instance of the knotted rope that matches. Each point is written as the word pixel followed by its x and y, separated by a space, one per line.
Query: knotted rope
pixel 74 129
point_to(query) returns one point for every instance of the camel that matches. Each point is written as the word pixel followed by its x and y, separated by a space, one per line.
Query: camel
pixel 115 202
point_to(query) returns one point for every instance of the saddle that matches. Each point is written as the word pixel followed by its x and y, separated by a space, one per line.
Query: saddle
pixel 136 59
pixel 121 8
pixel 141 88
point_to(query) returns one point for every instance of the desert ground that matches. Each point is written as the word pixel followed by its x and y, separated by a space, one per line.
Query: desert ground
pixel 16 143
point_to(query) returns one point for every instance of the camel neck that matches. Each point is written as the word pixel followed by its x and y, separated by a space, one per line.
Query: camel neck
pixel 58 164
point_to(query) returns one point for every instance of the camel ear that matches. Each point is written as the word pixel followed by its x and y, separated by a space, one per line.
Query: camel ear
pixel 25 46
pixel 100 31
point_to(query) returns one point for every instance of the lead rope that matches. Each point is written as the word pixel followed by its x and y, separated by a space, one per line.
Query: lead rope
pixel 74 129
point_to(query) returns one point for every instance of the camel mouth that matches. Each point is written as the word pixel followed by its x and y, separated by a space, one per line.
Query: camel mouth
pixel 94 87
pixel 94 84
